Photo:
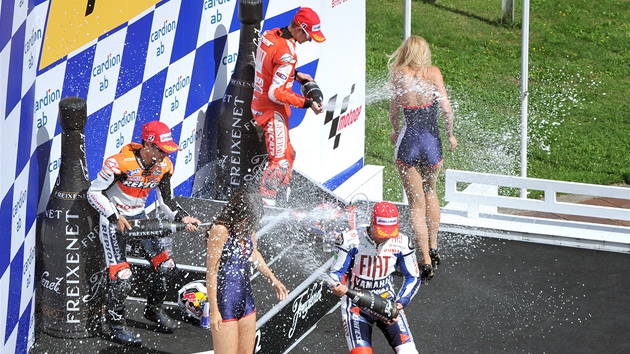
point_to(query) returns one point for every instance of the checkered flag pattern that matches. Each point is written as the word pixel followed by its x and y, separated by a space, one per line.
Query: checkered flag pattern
pixel 171 61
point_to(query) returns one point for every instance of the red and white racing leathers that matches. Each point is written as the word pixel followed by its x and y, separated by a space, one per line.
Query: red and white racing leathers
pixel 273 96
pixel 370 266
pixel 123 185
pixel 121 188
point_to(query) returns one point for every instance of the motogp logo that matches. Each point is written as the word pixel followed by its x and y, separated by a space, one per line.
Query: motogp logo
pixel 343 120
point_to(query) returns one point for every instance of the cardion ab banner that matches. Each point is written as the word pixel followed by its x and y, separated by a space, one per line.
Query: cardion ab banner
pixel 143 60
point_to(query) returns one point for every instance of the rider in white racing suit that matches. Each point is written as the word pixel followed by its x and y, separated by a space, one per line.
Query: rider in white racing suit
pixel 366 259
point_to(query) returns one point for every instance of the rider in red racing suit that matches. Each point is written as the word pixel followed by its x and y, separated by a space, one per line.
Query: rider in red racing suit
pixel 273 96
pixel 119 194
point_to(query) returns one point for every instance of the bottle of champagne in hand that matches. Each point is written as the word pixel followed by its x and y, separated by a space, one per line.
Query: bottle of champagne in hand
pixel 311 90
pixel 384 309
pixel 146 228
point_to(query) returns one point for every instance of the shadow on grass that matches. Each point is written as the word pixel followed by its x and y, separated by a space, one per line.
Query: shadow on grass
pixel 495 22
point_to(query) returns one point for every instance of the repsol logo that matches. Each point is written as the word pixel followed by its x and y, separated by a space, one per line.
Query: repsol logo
pixel 349 118
pixel 167 28
pixel 127 117
pixel 179 85
pixel 140 184
pixel 208 4
pixel 50 97
pixel 110 62
pixel 36 35
pixel 19 203
pixel 194 136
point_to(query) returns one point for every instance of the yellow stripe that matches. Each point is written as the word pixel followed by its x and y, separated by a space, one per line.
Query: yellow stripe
pixel 68 28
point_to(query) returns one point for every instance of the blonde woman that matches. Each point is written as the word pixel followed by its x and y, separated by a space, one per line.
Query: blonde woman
pixel 417 90
pixel 231 249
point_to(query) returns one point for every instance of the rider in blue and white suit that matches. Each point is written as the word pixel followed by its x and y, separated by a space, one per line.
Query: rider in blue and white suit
pixel 366 259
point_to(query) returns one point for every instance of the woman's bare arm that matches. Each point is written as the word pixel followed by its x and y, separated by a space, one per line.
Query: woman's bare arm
pixel 217 236
pixel 445 106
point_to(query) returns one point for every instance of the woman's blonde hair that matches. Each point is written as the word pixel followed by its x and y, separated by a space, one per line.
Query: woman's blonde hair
pixel 413 52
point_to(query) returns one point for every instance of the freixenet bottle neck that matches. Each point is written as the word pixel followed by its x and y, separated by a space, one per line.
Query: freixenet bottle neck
pixel 250 15
pixel 73 172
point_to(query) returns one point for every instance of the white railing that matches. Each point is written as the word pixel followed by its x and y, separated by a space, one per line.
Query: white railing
pixel 550 188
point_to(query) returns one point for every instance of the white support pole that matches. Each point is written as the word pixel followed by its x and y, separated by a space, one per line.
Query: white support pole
pixel 507 10
pixel 407 19
pixel 524 91
pixel 407 35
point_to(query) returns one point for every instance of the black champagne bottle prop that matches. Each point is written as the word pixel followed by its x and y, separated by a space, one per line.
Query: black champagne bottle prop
pixel 374 304
pixel 240 148
pixel 70 255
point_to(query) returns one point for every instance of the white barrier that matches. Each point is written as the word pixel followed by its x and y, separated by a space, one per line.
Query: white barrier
pixel 550 202
pixel 474 210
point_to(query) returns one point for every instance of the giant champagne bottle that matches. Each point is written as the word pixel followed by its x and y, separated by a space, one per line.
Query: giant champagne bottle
pixel 70 255
pixel 382 308
pixel 240 148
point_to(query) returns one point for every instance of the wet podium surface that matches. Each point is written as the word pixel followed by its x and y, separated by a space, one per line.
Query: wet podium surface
pixel 489 295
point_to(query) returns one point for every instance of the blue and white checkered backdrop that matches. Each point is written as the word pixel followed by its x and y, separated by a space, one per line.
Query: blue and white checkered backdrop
pixel 133 62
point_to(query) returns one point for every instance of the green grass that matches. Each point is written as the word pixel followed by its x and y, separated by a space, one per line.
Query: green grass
pixel 579 86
